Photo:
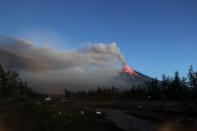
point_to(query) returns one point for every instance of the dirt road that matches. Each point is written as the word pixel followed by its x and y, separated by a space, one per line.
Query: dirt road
pixel 128 122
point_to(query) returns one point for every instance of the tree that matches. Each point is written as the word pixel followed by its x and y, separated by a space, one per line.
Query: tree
pixel 191 78
pixel 67 93
pixel 185 90
pixel 10 83
pixel 192 81
pixel 177 80
pixel 176 87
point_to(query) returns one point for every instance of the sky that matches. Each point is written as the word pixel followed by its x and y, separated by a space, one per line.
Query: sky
pixel 155 36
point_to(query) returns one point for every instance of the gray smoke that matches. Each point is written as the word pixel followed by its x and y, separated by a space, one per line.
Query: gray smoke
pixel 51 70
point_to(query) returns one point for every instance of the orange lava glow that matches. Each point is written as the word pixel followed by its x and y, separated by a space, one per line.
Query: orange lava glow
pixel 129 70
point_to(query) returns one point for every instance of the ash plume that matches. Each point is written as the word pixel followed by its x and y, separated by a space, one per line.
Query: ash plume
pixel 50 70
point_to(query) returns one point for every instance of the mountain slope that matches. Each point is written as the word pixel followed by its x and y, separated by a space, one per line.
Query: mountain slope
pixel 130 76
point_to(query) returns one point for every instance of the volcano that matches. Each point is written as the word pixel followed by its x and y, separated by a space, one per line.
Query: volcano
pixel 128 70
pixel 133 77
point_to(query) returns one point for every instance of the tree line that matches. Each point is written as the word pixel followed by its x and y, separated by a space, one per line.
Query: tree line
pixel 169 88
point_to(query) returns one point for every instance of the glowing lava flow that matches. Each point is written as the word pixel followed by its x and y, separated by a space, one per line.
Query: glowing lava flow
pixel 129 70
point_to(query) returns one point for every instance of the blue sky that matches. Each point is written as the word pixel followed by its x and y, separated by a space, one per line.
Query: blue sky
pixel 155 37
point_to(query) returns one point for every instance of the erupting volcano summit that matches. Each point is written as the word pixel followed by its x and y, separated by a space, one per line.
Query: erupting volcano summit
pixel 132 76
pixel 129 70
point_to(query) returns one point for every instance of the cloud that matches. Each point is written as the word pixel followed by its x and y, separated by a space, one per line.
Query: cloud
pixel 51 70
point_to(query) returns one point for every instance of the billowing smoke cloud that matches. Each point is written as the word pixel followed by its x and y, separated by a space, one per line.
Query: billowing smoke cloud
pixel 51 70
